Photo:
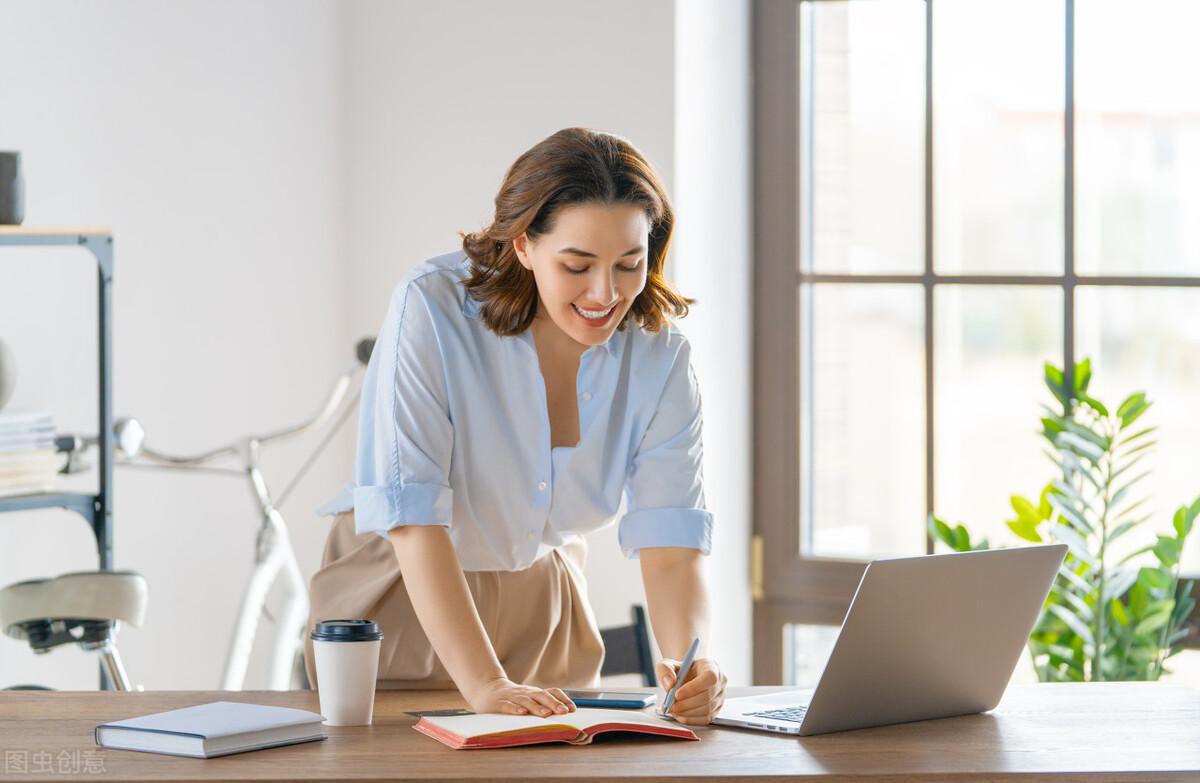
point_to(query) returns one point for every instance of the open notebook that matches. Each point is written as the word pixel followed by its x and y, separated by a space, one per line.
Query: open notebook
pixel 577 728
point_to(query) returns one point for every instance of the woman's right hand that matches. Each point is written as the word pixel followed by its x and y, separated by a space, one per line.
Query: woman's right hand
pixel 504 695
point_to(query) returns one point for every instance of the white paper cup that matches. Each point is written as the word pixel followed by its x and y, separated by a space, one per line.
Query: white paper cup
pixel 347 662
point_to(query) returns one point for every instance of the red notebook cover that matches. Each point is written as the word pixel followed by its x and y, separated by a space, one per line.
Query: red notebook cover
pixel 464 732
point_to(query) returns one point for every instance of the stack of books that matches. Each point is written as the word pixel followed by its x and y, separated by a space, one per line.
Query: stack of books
pixel 28 461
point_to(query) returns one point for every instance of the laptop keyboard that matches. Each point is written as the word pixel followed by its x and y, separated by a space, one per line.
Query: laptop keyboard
pixel 794 714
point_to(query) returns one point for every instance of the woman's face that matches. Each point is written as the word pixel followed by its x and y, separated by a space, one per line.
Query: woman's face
pixel 590 268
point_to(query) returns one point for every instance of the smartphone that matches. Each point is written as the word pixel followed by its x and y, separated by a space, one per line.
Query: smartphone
pixel 611 699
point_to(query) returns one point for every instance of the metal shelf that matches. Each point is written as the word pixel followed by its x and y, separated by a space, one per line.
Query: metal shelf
pixel 80 503
pixel 96 509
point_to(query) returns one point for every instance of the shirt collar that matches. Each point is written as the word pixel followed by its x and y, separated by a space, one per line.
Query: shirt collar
pixel 472 308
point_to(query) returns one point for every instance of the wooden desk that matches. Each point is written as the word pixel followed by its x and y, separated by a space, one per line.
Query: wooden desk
pixel 1090 732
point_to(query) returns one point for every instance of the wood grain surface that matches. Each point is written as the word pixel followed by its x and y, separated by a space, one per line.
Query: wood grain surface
pixel 1084 732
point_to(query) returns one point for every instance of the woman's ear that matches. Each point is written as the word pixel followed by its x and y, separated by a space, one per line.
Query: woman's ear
pixel 521 248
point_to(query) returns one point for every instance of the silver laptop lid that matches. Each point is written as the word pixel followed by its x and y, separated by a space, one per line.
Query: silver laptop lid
pixel 932 636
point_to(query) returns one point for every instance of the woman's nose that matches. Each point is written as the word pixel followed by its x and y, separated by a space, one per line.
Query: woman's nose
pixel 603 289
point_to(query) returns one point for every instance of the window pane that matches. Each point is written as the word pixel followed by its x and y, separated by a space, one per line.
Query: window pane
pixel 862 420
pixel 806 648
pixel 1148 339
pixel 990 345
pixel 998 83
pixel 862 104
pixel 1137 114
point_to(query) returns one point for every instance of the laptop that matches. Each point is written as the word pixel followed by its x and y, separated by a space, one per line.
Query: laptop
pixel 924 637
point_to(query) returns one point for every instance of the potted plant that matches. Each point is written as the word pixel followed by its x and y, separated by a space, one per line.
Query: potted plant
pixel 1112 613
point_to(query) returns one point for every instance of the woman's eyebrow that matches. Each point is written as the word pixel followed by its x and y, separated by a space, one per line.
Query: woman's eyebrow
pixel 574 251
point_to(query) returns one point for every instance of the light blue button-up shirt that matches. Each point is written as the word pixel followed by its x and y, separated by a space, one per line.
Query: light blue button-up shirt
pixel 453 430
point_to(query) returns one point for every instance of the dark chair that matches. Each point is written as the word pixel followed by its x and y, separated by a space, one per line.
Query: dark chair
pixel 627 649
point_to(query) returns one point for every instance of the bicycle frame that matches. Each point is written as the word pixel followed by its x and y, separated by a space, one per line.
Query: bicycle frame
pixel 274 556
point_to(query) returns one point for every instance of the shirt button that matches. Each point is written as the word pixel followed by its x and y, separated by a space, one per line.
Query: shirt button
pixel 541 486
pixel 587 396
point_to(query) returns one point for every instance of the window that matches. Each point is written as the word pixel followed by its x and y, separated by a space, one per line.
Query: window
pixel 950 193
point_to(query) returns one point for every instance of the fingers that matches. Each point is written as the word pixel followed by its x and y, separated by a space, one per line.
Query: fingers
pixel 531 705
pixel 550 701
pixel 541 703
pixel 698 682
pixel 563 698
pixel 511 708
pixel 666 670
pixel 701 696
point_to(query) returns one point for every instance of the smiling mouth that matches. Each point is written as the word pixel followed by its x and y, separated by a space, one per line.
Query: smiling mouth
pixel 594 317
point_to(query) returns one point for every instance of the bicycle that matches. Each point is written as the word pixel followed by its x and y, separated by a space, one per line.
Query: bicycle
pixel 274 556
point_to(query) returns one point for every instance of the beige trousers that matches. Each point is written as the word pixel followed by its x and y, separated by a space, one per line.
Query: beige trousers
pixel 538 619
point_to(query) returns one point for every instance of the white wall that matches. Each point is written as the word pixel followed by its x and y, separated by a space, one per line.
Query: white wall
pixel 271 170
pixel 208 136
pixel 713 265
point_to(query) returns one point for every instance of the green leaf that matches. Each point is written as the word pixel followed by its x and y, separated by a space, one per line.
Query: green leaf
pixel 939 531
pixel 1074 542
pixel 1183 523
pixel 1094 404
pixel 1134 413
pixel 1124 512
pixel 1082 375
pixel 1082 610
pixel 1025 510
pixel 1056 383
pixel 1077 581
pixel 1120 494
pixel 1071 515
pixel 1119 531
pixel 1118 612
pixel 1069 458
pixel 1121 581
pixel 1044 508
pixel 1146 444
pixel 1088 434
pixel 1136 553
pixel 1139 598
pixel 962 539
pixel 1194 511
pixel 1116 474
pixel 1077 626
pixel 1025 529
pixel 1137 436
pixel 1167 551
pixel 1154 578
pixel 1152 623
pixel 1080 446
pixel 1130 403
pixel 1050 428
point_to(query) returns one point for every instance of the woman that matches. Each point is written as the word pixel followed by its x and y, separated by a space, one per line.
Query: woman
pixel 518 389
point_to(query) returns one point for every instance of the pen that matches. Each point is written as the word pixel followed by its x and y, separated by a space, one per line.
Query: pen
pixel 684 668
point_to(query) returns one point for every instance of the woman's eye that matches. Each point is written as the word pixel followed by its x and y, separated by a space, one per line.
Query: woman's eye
pixel 573 270
pixel 633 268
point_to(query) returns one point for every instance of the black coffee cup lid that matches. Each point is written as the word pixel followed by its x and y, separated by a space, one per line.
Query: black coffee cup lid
pixel 346 631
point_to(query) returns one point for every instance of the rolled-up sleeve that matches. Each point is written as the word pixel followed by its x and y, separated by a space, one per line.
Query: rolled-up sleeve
pixel 405 437
pixel 665 487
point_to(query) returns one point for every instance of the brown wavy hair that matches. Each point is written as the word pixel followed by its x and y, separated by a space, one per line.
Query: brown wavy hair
pixel 573 166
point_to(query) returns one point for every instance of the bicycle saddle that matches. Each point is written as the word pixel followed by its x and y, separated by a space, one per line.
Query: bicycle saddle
pixel 104 596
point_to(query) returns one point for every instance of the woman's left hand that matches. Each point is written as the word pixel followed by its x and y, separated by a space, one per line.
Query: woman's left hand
pixel 701 695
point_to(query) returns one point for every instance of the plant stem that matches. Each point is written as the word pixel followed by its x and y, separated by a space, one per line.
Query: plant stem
pixel 1160 660
pixel 1101 606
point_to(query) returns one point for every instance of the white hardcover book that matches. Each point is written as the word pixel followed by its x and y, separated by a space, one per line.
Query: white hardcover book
pixel 218 728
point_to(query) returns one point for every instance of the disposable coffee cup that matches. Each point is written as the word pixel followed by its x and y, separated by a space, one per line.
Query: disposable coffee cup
pixel 347 659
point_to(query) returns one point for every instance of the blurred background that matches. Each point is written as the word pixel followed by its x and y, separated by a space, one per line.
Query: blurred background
pixel 270 170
